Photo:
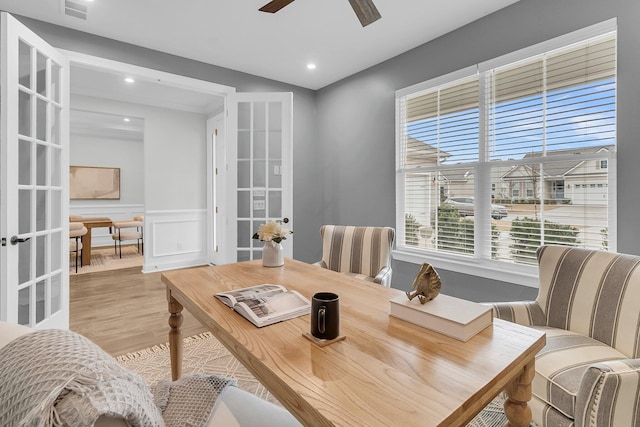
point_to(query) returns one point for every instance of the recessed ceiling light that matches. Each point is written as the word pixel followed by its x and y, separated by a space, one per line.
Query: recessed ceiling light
pixel 127 119
pixel 311 66
pixel 89 1
pixel 129 80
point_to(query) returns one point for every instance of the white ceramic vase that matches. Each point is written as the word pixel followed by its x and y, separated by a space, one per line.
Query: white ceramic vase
pixel 272 254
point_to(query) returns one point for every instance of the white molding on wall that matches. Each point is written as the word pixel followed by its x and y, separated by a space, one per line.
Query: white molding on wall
pixel 174 239
pixel 86 210
pixel 177 212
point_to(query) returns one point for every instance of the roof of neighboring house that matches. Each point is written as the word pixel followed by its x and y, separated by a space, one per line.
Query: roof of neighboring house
pixel 457 174
pixel 555 169
pixel 525 171
pixel 422 154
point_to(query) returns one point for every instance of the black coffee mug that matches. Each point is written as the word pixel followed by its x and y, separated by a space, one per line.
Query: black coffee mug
pixel 325 315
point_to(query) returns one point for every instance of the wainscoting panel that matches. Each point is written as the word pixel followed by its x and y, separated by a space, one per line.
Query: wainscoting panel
pixel 101 236
pixel 174 239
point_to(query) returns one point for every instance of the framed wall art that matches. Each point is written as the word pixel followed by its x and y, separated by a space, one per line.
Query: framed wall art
pixel 94 183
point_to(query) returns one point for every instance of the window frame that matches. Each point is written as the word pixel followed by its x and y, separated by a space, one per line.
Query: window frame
pixel 480 264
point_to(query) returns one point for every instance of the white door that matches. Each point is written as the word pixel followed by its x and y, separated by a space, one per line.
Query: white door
pixel 34 277
pixel 260 176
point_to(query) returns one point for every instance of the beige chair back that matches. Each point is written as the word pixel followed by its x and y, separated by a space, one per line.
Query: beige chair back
pixel 77 229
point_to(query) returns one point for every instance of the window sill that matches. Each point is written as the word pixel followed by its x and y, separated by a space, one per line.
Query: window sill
pixel 523 275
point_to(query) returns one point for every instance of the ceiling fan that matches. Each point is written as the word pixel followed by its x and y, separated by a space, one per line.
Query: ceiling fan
pixel 364 9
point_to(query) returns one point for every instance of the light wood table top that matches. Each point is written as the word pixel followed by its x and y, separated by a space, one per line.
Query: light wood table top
pixel 386 372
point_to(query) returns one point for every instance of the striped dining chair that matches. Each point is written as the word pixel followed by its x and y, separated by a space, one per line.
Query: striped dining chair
pixel 361 252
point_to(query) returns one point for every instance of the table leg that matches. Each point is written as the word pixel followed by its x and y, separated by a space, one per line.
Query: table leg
pixel 518 392
pixel 86 247
pixel 175 336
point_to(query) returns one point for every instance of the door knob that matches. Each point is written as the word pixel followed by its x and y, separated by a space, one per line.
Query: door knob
pixel 285 220
pixel 15 239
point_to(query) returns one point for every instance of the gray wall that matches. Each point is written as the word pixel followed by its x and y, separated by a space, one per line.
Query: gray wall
pixel 344 134
pixel 356 127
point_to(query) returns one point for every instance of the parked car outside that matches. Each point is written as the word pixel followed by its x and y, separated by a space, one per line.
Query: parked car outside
pixel 466 207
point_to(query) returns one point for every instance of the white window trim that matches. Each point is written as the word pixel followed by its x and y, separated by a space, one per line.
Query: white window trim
pixel 520 274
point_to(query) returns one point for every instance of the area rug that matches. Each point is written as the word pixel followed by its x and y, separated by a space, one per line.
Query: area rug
pixel 205 354
pixel 105 259
pixel 202 354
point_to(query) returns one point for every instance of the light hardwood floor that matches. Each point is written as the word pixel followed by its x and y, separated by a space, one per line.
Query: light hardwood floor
pixel 123 310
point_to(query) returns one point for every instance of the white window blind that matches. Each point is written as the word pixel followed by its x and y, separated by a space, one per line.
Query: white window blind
pixel 441 128
pixel 496 164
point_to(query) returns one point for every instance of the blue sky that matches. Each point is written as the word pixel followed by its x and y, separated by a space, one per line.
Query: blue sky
pixel 577 116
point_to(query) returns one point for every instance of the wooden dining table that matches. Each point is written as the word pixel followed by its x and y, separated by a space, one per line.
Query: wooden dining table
pixel 91 223
pixel 385 372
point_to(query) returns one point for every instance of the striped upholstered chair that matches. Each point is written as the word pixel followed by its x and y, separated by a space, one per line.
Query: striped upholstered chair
pixel 589 306
pixel 362 252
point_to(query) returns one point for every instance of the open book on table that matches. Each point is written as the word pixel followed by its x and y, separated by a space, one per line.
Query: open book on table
pixel 265 304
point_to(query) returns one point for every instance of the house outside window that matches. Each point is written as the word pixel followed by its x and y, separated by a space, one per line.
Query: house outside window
pixel 533 133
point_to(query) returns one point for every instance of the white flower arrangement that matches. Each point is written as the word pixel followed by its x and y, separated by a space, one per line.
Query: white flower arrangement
pixel 272 231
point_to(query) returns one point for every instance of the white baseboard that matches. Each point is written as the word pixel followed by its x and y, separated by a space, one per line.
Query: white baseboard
pixel 173 265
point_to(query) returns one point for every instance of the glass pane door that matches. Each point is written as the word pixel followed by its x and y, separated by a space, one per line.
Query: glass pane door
pixel 35 279
pixel 264 181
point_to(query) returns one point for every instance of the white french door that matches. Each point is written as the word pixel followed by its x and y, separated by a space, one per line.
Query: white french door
pixel 260 172
pixel 34 94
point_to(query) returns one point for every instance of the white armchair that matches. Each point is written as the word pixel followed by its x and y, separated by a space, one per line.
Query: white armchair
pixel 588 374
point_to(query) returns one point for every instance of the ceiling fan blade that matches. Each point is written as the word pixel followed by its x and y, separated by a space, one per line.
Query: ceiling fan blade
pixel 366 11
pixel 275 5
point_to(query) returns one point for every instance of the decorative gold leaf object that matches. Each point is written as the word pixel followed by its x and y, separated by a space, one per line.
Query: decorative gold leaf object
pixel 426 286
